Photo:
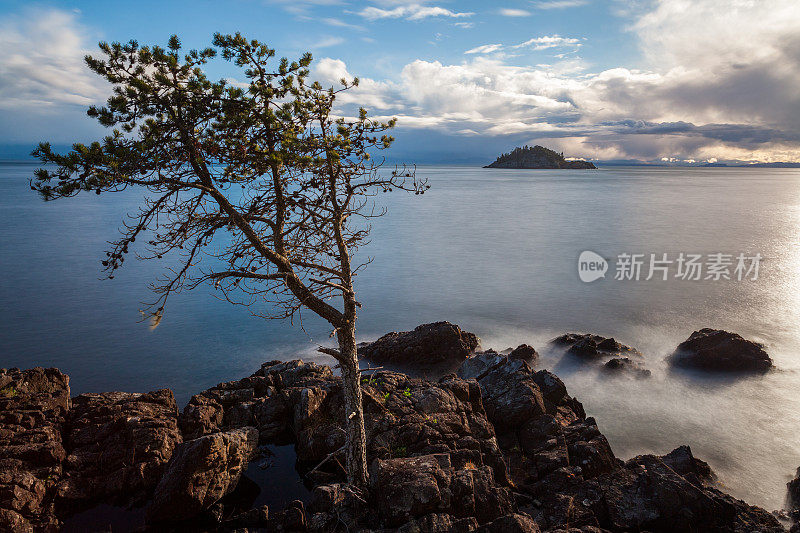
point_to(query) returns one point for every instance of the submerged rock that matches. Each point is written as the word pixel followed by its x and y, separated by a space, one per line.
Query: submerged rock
pixel 590 346
pixel 525 352
pixel 200 473
pixel 720 351
pixel 428 344
pixel 626 365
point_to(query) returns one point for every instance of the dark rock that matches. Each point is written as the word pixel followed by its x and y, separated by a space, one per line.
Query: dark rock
pixel 436 522
pixel 408 488
pixel 33 408
pixel 119 444
pixel 793 492
pixel 510 395
pixel 437 463
pixel 688 466
pixel 524 352
pixel 261 400
pixel 404 417
pixel 645 495
pixel 511 523
pixel 514 395
pixel 337 504
pixel 292 518
pixel 720 351
pixel 428 344
pixel 626 365
pixel 590 346
pixel 481 363
pixel 252 518
pixel 200 473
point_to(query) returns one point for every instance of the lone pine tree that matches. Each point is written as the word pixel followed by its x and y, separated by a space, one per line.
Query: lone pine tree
pixel 255 188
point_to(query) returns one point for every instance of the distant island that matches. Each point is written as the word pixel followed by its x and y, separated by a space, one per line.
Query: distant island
pixel 779 164
pixel 537 157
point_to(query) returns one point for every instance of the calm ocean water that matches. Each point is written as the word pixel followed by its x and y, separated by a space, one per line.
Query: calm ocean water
pixel 492 250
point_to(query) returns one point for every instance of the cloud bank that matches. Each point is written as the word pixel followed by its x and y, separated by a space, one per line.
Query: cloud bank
pixel 721 79
pixel 717 80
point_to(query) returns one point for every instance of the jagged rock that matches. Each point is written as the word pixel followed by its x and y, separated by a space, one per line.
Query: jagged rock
pixel 582 529
pixel 548 446
pixel 437 463
pixel 404 417
pixel 252 518
pixel 436 522
pixel 514 395
pixel 481 363
pixel 525 352
pixel 644 495
pixel 408 488
pixel 119 444
pixel 261 400
pixel 793 493
pixel 33 408
pixel 336 504
pixel 428 344
pixel 685 464
pixel 592 347
pixel 201 471
pixel 626 365
pixel 721 351
pixel 292 518
pixel 511 523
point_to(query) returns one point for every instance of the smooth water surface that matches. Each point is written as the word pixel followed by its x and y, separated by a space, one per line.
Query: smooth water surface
pixel 492 250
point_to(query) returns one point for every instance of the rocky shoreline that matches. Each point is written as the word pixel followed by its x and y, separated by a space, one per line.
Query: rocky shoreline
pixel 495 446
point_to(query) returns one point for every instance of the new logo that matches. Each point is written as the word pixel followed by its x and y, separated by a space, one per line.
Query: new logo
pixel 591 266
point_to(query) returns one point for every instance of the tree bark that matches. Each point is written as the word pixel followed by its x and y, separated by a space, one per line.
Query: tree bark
pixel 356 440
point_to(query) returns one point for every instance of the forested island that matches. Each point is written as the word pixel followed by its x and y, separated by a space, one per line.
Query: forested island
pixel 537 157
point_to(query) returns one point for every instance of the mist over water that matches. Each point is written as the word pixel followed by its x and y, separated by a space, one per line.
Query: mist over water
pixel 494 251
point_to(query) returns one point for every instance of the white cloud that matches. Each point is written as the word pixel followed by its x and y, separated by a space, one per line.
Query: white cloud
pixel 508 12
pixel 327 42
pixel 410 12
pixel 485 49
pixel 370 93
pixel 560 4
pixel 535 44
pixel 42 61
pixel 303 7
pixel 720 80
pixel 338 23
pixel 548 41
pixel 464 25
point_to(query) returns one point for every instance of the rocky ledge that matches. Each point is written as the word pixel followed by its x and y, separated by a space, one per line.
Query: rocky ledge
pixel 497 447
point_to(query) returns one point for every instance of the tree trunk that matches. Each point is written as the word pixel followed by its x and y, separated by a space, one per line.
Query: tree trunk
pixel 356 443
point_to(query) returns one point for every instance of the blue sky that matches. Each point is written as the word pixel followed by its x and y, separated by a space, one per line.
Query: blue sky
pixel 680 80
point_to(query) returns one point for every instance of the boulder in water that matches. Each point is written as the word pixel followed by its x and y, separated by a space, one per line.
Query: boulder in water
pixel 717 350
pixel 428 344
